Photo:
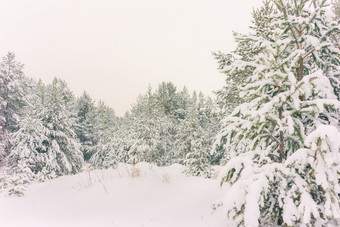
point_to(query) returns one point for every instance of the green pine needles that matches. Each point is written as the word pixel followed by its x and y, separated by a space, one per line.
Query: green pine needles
pixel 280 139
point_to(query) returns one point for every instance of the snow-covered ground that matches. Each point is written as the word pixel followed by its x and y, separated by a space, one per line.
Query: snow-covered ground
pixel 160 196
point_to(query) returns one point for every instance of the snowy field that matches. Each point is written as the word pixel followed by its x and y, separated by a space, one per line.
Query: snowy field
pixel 143 196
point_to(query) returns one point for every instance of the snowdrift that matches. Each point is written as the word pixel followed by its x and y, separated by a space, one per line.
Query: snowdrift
pixel 141 195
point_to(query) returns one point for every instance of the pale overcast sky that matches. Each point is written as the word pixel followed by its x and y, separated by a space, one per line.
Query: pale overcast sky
pixel 114 48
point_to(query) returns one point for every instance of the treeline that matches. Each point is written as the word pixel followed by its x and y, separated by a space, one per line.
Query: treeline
pixel 163 127
pixel 46 131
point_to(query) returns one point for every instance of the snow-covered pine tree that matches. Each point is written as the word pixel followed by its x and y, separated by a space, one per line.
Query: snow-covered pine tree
pixel 145 117
pixel 290 103
pixel 18 178
pixel 27 159
pixel 124 138
pixel 209 118
pixel 170 113
pixel 183 102
pixel 130 136
pixel 197 160
pixel 202 130
pixel 166 140
pixel 64 150
pixel 85 124
pixel 106 147
pixel 182 126
pixel 107 151
pixel 30 142
pixel 13 93
pixel 229 96
pixel 188 128
pixel 167 98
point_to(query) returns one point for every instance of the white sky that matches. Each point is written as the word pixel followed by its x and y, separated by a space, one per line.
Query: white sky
pixel 114 48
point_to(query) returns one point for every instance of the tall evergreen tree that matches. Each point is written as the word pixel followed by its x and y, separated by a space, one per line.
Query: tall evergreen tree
pixel 291 93
pixel 64 149
pixel 30 143
pixel 105 131
pixel 146 116
pixel 85 124
pixel 13 92
pixel 201 135
pixel 32 140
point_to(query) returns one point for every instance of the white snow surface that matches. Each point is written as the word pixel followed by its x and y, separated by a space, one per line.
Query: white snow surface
pixel 160 196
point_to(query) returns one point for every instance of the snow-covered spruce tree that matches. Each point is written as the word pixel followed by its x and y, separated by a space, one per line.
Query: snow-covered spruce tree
pixel 198 139
pixel 13 93
pixel 27 159
pixel 189 128
pixel 154 131
pixel 85 124
pixel 182 125
pixel 132 140
pixel 169 111
pixel 105 137
pixel 211 116
pixel 197 160
pixel 282 149
pixel 148 119
pixel 166 140
pixel 209 121
pixel 30 142
pixel 122 139
pixel 63 148
pixel 107 151
pixel 145 117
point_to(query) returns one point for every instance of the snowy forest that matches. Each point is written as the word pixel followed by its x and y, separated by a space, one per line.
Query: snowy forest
pixel 273 127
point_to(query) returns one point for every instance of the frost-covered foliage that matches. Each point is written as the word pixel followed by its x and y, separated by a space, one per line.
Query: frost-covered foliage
pixel 13 96
pixel 301 191
pixel 229 96
pixel 160 128
pixel 145 136
pixel 64 150
pixel 105 137
pixel 85 127
pixel 280 140
pixel 30 143
pixel 197 161
pixel 45 143
pixel 165 121
pixel 15 180
pixel 38 125
pixel 317 174
pixel 198 138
